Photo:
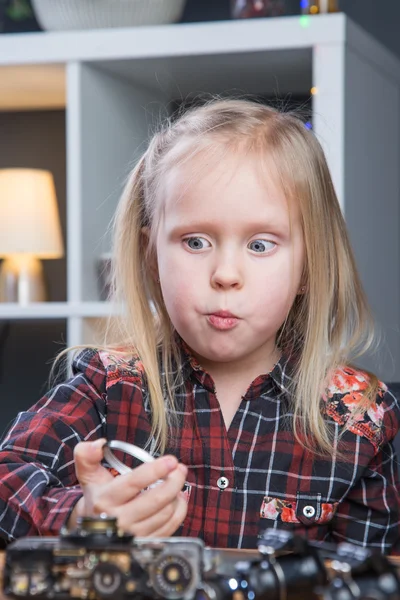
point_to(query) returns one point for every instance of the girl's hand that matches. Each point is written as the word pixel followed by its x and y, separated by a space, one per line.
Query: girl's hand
pixel 157 512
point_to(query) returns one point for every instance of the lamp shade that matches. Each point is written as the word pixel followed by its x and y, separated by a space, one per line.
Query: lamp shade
pixel 29 219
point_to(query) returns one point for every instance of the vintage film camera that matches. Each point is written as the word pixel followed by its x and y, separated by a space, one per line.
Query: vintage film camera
pixel 97 562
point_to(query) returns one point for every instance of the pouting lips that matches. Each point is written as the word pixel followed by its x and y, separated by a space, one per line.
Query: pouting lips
pixel 223 320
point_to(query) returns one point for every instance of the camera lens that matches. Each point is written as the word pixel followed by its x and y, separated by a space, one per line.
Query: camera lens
pixel 290 577
pixel 172 576
pixel 107 580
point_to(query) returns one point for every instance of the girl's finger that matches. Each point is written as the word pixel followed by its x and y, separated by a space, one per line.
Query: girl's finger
pixel 88 468
pixel 152 501
pixel 147 526
pixel 126 488
pixel 174 522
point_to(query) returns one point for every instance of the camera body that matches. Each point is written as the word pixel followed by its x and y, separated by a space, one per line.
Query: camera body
pixel 97 562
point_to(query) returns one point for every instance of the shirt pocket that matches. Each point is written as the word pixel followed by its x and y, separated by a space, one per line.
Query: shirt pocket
pixel 305 510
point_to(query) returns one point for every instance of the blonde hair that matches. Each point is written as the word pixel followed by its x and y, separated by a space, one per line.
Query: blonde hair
pixel 326 327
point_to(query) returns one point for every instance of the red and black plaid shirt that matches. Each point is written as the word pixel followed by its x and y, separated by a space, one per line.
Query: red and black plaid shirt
pixel 240 481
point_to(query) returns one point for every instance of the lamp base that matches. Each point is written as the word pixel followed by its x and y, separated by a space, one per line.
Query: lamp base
pixel 21 280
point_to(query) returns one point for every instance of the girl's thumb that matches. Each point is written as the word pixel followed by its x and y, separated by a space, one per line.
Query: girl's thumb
pixel 88 468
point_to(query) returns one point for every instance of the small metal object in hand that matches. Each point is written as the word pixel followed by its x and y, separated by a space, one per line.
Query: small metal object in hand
pixel 130 449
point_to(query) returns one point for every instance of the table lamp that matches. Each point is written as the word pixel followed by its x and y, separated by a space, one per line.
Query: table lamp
pixel 29 230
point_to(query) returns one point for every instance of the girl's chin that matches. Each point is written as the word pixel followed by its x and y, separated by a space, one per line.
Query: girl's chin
pixel 217 354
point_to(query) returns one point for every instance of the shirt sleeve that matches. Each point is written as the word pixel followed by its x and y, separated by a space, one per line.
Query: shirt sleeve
pixel 38 483
pixel 369 515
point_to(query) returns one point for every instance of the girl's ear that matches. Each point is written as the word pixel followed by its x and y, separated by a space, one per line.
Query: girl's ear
pixel 145 231
pixel 304 280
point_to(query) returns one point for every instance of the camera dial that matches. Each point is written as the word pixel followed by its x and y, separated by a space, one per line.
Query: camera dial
pixel 107 580
pixel 172 576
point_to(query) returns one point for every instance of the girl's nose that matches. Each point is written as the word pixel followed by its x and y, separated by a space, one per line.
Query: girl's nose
pixel 227 274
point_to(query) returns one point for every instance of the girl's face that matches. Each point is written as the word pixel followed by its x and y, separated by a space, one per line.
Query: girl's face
pixel 230 260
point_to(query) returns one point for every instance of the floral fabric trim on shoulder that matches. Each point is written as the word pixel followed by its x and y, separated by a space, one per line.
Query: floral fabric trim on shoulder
pixel 119 369
pixel 346 403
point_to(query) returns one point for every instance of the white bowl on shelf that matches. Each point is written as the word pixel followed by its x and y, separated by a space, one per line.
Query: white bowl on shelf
pixel 56 15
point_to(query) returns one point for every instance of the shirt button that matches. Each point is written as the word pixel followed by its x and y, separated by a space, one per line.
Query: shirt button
pixel 222 483
pixel 309 511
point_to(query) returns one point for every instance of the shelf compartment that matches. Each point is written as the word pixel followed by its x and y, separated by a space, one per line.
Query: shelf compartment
pixel 32 87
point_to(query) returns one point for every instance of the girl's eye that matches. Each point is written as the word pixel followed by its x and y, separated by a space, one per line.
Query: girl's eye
pixel 197 243
pixel 261 246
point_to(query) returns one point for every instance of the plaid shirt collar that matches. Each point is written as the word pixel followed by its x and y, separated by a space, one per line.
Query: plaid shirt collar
pixel 281 374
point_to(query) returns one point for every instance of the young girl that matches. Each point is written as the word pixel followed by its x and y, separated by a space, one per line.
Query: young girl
pixel 243 310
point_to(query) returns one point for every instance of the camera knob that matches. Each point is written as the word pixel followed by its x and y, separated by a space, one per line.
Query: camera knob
pixel 103 524
pixel 107 580
pixel 172 576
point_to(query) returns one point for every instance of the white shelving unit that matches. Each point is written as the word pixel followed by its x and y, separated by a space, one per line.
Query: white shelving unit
pixel 115 84
pixel 56 310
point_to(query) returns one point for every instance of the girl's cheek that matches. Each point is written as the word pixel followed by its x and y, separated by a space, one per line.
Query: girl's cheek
pixel 180 291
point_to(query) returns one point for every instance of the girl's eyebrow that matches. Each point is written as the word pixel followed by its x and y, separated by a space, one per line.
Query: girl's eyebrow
pixel 256 226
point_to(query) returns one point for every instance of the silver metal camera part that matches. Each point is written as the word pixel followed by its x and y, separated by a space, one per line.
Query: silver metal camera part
pixel 175 565
pixel 130 449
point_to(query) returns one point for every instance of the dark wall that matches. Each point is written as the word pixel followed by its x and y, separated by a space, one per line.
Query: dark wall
pixel 381 18
pixel 26 349
pixel 219 10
